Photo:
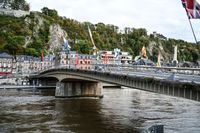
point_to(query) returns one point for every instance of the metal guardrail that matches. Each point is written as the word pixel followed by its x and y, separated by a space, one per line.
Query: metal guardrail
pixel 132 68
pixel 184 75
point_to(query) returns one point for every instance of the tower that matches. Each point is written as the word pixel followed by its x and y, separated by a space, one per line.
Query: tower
pixel 175 61
pixel 158 62
pixel 95 50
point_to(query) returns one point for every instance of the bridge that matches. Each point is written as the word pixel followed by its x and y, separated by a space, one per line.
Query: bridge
pixel 178 82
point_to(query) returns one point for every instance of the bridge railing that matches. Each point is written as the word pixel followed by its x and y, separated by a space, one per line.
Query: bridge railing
pixel 178 70
pixel 186 75
pixel 132 68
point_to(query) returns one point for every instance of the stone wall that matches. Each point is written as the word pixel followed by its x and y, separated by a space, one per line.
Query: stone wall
pixel 14 13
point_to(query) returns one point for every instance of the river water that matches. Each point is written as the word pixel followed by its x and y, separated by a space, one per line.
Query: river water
pixel 120 111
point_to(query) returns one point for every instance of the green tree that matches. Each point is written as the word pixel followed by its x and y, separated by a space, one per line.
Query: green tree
pixel 5 4
pixel 15 4
pixel 83 47
pixel 195 56
pixel 31 51
pixel 50 12
pixel 14 45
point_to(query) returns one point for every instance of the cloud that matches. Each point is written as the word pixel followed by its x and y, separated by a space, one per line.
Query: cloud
pixel 164 16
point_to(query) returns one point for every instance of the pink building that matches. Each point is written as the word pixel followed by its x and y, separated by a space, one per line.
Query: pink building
pixel 84 61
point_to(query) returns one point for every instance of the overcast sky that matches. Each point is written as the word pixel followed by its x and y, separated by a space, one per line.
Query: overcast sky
pixel 167 17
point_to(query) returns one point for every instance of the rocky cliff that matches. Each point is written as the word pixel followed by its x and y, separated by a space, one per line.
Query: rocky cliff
pixel 57 35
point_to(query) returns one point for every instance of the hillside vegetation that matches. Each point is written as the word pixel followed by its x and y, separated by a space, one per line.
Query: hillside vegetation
pixel 31 35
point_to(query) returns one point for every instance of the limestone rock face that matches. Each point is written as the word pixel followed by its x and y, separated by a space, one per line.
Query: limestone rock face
pixel 56 33
pixel 159 47
pixel 38 23
pixel 56 41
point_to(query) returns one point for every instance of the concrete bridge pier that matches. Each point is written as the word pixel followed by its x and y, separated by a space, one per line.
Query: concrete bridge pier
pixel 78 89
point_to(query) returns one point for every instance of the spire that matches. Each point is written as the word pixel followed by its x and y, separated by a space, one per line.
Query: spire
pixel 94 46
pixel 175 61
pixel 158 62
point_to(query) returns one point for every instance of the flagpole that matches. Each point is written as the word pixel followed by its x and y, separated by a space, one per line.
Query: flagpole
pixel 192 30
pixel 191 26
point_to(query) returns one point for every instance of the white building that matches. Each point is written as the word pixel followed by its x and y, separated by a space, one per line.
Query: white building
pixel 48 62
pixel 72 59
pixel 29 64
pixel 14 13
pixel 114 57
pixel 7 64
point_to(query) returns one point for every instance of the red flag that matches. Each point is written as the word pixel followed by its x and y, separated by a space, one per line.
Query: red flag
pixel 192 8
pixel 191 4
pixel 42 57
pixel 77 59
pixel 105 58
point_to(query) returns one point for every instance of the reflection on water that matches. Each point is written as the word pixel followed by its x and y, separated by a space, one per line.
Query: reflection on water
pixel 120 111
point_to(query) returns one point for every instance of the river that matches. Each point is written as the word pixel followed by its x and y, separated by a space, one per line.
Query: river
pixel 119 111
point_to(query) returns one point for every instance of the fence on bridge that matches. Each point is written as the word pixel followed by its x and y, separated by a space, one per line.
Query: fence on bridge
pixel 142 68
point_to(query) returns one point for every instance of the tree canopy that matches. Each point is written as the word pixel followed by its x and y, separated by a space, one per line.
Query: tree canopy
pixel 15 4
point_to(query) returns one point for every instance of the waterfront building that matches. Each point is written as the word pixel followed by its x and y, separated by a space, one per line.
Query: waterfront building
pixel 126 58
pixel 72 59
pixel 23 64
pixel 29 64
pixel 7 64
pixel 49 62
pixel 63 58
pixel 67 59
pixel 39 64
pixel 35 64
pixel 106 57
pixel 114 57
pixel 85 61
